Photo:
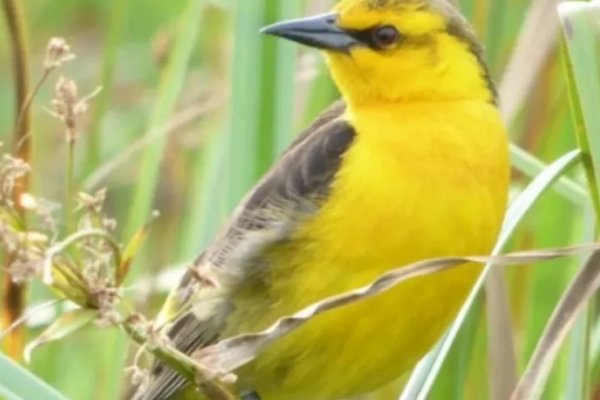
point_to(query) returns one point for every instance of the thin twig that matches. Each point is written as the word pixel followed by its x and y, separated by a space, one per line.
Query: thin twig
pixel 70 184
pixel 180 120
pixel 24 111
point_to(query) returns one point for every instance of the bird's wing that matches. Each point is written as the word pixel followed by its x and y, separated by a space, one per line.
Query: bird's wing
pixel 290 191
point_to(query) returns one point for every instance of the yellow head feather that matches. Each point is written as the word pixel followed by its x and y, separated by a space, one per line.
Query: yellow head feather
pixel 437 58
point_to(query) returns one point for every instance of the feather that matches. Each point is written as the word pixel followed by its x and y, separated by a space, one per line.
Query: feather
pixel 292 190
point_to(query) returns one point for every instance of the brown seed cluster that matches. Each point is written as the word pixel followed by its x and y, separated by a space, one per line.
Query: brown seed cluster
pixel 58 52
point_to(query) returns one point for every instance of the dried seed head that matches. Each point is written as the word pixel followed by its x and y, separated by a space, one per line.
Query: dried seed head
pixel 11 170
pixel 8 238
pixel 26 258
pixel 68 106
pixel 93 203
pixel 109 224
pixel 106 299
pixel 23 270
pixel 64 104
pixel 45 210
pixel 66 91
pixel 58 51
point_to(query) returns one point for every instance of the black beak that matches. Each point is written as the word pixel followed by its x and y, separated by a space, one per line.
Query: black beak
pixel 320 31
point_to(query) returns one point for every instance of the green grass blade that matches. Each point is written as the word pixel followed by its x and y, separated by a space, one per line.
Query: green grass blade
pixel 209 189
pixel 467 350
pixel 170 87
pixel 577 384
pixel 495 33
pixel 18 383
pixel 580 33
pixel 261 122
pixel 578 373
pixel 594 352
pixel 245 131
pixel 581 30
pixel 278 77
pixel 284 82
pixel 569 308
pixel 426 372
pixel 114 34
pixel 531 166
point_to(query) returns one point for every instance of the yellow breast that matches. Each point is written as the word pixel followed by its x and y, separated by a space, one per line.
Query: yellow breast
pixel 409 188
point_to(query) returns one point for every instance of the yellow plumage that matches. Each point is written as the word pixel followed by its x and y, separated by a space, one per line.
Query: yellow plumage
pixel 425 175
pixel 433 199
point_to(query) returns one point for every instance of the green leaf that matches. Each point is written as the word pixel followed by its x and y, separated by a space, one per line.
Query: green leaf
pixel 245 135
pixel 66 324
pixel 131 250
pixel 16 383
pixel 115 26
pixel 170 88
pixel 531 166
pixel 581 33
pixel 579 369
pixel 581 39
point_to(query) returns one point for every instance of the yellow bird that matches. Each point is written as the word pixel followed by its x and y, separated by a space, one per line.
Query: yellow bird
pixel 411 165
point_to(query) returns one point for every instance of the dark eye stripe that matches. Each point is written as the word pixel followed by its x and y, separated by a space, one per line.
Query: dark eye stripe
pixel 369 37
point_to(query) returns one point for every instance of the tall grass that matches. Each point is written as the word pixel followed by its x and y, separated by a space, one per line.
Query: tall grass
pixel 160 62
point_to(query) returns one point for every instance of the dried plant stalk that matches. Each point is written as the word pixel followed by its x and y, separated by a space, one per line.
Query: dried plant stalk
pixel 13 293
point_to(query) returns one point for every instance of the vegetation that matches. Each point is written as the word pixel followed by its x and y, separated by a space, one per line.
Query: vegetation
pixel 162 135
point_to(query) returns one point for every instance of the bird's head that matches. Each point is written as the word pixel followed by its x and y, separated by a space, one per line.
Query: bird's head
pixel 396 50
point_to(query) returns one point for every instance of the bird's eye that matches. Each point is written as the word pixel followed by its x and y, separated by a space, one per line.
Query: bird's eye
pixel 385 36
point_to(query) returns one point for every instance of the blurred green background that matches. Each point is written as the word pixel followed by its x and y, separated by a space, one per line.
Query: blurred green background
pixel 195 107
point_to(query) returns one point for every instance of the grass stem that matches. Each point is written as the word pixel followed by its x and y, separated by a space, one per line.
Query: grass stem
pixel 13 294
